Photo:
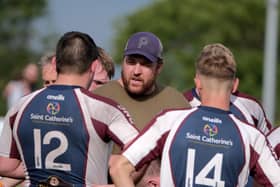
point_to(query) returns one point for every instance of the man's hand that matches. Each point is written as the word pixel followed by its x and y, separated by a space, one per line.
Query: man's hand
pixel 121 170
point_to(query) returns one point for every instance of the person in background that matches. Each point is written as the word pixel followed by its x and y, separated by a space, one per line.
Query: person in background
pixel 48 68
pixel 138 89
pixel 105 70
pixel 23 83
pixel 63 132
pixel 205 145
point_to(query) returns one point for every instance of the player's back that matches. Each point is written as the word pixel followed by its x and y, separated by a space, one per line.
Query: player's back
pixel 62 131
pixel 212 147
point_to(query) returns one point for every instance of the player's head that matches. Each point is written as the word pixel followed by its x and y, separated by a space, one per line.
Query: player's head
pixel 48 68
pixel 142 63
pixel 151 177
pixel 104 71
pixel 217 66
pixel 75 53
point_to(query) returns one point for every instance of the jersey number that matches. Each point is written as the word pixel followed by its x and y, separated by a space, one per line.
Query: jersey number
pixel 52 155
pixel 201 178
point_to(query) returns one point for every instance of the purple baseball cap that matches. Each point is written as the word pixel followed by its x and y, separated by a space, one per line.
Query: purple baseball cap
pixel 146 44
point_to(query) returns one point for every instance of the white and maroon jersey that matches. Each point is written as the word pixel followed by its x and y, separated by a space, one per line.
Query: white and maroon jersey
pixel 205 146
pixel 65 131
pixel 274 139
pixel 242 106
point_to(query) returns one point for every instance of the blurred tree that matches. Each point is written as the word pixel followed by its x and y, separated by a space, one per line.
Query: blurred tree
pixel 16 17
pixel 186 26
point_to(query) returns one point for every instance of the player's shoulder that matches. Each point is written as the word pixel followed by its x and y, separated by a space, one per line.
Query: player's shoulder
pixel 93 97
pixel 245 97
pixel 246 127
pixel 274 133
pixel 108 88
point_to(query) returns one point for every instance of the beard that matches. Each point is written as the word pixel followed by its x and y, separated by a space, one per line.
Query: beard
pixel 146 88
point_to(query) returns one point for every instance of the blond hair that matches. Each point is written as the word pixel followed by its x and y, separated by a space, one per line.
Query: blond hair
pixel 216 61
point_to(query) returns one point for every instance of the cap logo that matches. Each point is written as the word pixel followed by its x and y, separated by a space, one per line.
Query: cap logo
pixel 143 41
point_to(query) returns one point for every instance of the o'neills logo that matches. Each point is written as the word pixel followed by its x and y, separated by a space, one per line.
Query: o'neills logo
pixel 211 120
pixel 59 97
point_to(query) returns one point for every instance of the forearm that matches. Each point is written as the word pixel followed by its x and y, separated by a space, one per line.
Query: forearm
pixel 9 181
pixel 11 168
pixel 121 171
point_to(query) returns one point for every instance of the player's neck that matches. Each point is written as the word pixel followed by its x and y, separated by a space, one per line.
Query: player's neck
pixel 221 101
pixel 73 79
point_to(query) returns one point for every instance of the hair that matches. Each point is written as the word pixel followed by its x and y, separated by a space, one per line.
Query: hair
pixel 46 58
pixel 153 170
pixel 107 62
pixel 75 52
pixel 216 61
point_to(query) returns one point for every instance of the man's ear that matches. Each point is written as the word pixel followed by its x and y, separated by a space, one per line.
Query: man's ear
pixel 153 182
pixel 159 67
pixel 197 82
pixel 94 65
pixel 53 60
pixel 235 85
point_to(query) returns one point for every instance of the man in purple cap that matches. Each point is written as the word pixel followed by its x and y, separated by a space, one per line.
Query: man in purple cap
pixel 137 89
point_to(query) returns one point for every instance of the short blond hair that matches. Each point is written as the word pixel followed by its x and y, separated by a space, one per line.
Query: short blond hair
pixel 216 60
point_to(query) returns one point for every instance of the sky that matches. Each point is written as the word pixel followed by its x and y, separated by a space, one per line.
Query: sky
pixel 94 17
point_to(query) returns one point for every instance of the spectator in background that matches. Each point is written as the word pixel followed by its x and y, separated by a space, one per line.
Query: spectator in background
pixel 31 76
pixel 23 83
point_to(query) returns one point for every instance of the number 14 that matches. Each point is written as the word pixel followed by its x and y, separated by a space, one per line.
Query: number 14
pixel 201 178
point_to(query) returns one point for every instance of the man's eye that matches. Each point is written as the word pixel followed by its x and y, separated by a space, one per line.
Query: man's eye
pixel 131 62
pixel 98 82
pixel 47 82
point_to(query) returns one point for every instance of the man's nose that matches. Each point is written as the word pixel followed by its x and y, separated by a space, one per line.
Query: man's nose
pixel 137 68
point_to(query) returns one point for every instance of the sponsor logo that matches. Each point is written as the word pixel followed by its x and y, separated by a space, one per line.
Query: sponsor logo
pixel 50 119
pixel 208 140
pixel 210 130
pixel 53 108
pixel 59 97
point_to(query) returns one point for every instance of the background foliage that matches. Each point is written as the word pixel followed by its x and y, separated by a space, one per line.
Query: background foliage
pixel 16 17
pixel 186 26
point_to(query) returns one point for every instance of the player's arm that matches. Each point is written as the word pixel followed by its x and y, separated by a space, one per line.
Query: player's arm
pixel 5 181
pixel 10 167
pixel 121 170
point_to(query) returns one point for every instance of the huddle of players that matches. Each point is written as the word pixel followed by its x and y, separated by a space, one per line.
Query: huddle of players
pixel 174 135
